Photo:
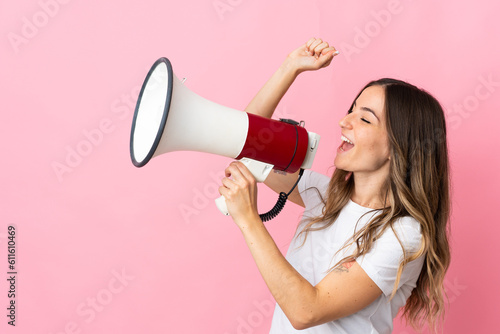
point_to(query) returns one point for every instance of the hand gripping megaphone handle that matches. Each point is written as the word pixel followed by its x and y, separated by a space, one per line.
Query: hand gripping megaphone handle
pixel 260 170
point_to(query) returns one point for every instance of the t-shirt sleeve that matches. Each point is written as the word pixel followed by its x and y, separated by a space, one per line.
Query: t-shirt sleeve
pixel 312 188
pixel 382 262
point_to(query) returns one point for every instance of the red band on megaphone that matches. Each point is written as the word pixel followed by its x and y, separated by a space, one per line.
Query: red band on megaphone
pixel 281 144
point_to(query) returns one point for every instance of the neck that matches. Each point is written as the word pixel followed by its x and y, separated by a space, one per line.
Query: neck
pixel 368 189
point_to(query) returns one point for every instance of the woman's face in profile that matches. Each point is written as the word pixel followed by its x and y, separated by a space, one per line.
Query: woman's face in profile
pixel 364 126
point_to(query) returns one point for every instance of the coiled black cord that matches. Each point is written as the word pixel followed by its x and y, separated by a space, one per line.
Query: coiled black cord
pixel 280 203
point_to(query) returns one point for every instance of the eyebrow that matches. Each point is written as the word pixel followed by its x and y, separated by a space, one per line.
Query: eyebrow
pixel 368 109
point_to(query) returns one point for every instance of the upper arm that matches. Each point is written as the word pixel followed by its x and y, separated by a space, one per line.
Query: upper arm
pixel 342 292
pixel 283 183
pixel 355 285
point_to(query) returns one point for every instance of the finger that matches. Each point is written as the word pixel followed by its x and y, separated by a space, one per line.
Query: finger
pixel 324 60
pixel 314 45
pixel 327 58
pixel 245 172
pixel 309 43
pixel 240 173
pixel 228 184
pixel 223 191
pixel 229 169
pixel 320 47
pixel 227 172
pixel 232 171
pixel 328 49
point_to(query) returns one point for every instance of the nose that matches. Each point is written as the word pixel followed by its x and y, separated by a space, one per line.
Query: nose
pixel 345 122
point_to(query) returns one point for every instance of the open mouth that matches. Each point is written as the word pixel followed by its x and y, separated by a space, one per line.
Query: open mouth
pixel 346 145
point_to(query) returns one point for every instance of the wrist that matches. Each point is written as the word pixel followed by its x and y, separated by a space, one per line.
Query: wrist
pixel 290 68
pixel 248 222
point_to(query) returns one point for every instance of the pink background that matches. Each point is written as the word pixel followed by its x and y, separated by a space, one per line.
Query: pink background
pixel 104 247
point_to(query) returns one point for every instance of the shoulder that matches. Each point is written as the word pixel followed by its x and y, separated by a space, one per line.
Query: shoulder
pixel 388 252
pixel 406 231
pixel 311 179
pixel 313 187
pixel 407 227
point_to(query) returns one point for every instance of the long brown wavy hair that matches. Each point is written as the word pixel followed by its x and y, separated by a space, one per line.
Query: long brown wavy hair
pixel 417 186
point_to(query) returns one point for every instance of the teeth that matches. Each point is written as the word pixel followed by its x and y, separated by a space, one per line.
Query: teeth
pixel 347 140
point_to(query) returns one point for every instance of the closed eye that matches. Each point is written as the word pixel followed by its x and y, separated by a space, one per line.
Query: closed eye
pixel 364 120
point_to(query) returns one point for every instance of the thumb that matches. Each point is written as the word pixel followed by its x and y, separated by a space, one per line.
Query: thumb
pixel 325 59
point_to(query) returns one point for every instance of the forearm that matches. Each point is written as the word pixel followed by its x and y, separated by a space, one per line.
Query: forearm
pixel 313 55
pixel 295 295
pixel 268 97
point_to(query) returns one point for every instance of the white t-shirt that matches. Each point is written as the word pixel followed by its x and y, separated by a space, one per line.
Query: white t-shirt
pixel 316 257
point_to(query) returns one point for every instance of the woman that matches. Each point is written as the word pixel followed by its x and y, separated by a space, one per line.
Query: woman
pixel 373 238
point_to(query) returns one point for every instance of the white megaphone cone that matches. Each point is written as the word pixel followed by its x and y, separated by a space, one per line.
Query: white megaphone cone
pixel 169 117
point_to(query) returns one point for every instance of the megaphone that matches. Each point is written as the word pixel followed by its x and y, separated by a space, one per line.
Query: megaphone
pixel 169 117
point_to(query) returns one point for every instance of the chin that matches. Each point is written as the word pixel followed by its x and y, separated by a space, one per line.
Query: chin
pixel 341 166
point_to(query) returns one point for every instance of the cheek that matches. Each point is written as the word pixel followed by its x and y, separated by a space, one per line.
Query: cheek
pixel 379 149
pixel 384 147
